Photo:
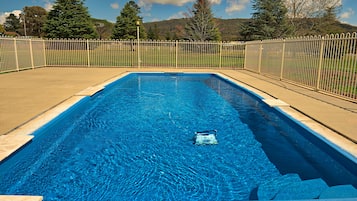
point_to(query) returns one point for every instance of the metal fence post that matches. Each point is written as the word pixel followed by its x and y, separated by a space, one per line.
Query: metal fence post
pixel 260 57
pixel 31 54
pixel 44 52
pixel 16 56
pixel 176 49
pixel 322 46
pixel 282 61
pixel 138 39
pixel 245 56
pixel 88 55
pixel 220 54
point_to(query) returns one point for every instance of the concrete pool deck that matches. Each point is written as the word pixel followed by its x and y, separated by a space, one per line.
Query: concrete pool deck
pixel 31 98
pixel 27 94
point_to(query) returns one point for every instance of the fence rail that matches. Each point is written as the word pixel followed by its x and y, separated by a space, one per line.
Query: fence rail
pixel 144 54
pixel 327 63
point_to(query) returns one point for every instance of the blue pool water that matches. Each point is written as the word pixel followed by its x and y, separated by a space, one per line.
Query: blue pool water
pixel 134 141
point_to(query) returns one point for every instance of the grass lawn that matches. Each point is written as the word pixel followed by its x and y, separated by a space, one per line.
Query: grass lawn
pixel 127 56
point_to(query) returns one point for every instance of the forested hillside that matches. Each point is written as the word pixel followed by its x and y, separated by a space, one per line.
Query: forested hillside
pixel 168 29
pixel 231 28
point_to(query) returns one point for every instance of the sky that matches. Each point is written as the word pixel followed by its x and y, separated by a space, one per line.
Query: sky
pixel 158 10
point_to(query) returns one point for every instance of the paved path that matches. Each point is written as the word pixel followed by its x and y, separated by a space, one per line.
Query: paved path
pixel 27 94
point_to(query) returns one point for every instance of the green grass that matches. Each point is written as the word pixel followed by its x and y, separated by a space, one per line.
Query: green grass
pixel 336 74
pixel 125 56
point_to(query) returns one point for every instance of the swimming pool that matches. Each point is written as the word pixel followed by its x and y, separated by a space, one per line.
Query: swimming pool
pixel 134 141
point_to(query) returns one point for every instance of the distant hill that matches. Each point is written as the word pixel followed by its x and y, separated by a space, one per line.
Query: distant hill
pixel 349 28
pixel 229 28
pixel 104 28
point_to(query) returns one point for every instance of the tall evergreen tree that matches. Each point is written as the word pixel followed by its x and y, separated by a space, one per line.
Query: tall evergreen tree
pixel 269 20
pixel 247 31
pixel 328 23
pixel 33 18
pixel 201 25
pixel 153 33
pixel 69 19
pixel 126 24
pixel 12 23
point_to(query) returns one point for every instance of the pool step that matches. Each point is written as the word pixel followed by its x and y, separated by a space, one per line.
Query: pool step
pixel 342 191
pixel 307 189
pixel 291 187
pixel 271 188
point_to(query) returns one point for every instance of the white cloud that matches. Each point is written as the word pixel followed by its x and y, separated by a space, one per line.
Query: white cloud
pixel 215 2
pixel 48 5
pixel 114 5
pixel 178 15
pixel 144 5
pixel 155 20
pixel 4 15
pixel 236 5
pixel 347 14
pixel 172 2
pixel 2 18
pixel 147 4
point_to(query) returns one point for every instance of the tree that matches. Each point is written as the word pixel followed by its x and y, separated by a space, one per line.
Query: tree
pixel 2 30
pixel 104 28
pixel 247 31
pixel 308 16
pixel 329 23
pixel 310 8
pixel 12 23
pixel 69 19
pixel 269 20
pixel 153 33
pixel 201 25
pixel 126 24
pixel 33 19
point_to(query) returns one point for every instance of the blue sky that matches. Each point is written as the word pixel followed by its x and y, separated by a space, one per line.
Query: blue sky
pixel 157 10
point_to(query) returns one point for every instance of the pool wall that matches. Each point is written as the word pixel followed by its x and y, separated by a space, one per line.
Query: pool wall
pixel 330 137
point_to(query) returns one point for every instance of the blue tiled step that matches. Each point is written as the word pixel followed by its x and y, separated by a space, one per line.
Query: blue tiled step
pixel 269 189
pixel 308 189
pixel 342 191
pixel 291 187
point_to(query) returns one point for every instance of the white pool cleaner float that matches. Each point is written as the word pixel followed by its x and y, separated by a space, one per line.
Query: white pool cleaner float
pixel 205 137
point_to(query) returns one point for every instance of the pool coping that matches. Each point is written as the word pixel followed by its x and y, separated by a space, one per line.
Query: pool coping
pixel 19 137
pixel 20 198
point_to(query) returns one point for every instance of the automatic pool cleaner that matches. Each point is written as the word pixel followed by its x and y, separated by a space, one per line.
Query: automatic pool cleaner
pixel 205 137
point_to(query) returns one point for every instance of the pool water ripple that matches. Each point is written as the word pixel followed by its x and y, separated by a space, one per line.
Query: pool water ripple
pixel 142 147
pixel 135 142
